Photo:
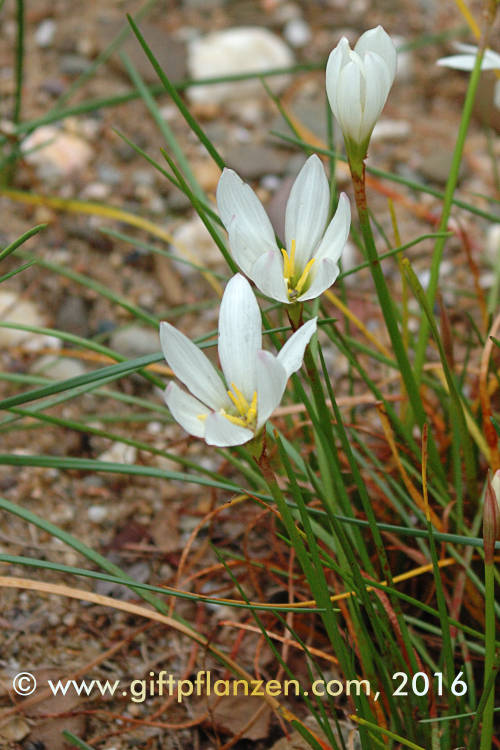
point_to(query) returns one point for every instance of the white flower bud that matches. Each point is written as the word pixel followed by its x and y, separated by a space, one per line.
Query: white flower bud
pixel 358 82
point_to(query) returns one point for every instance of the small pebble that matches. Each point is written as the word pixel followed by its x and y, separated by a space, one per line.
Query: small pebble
pixel 297 32
pixel 56 153
pixel 14 309
pixel 119 453
pixel 492 246
pixel 73 65
pixel 391 130
pixel 44 34
pixel 109 175
pixel 97 513
pixel 59 368
pixel 135 341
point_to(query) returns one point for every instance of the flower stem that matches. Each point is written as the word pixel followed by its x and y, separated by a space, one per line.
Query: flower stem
pixel 358 177
pixel 489 614
pixel 357 167
pixel 450 190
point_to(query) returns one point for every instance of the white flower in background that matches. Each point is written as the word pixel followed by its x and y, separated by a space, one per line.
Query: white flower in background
pixel 466 61
pixel 231 412
pixel 358 82
pixel 309 262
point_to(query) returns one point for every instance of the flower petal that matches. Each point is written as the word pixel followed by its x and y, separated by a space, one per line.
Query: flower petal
pixel 240 335
pixel 267 273
pixel 378 40
pixel 250 231
pixel 323 275
pixel 292 354
pixel 271 383
pixel 223 433
pixel 349 100
pixel 337 232
pixel 377 86
pixel 193 367
pixel 186 410
pixel 336 61
pixel 459 62
pixel 307 210
pixel 466 61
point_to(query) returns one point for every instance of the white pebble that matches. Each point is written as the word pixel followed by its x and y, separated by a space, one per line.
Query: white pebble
pixel 245 49
pixel 14 309
pixel 97 513
pixel 119 453
pixel 492 245
pixel 56 153
pixel 391 130
pixel 297 32
pixel 44 35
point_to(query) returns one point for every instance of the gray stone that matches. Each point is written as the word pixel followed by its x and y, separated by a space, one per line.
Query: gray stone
pixel 169 52
pixel 108 174
pixel 484 105
pixel 436 166
pixel 73 65
pixel 135 341
pixel 254 160
pixel 72 316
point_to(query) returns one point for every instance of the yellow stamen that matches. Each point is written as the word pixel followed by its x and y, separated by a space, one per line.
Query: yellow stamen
pixel 252 412
pixel 202 417
pixel 289 262
pixel 294 288
pixel 236 420
pixel 286 264
pixel 238 399
pixel 303 276
pixel 247 413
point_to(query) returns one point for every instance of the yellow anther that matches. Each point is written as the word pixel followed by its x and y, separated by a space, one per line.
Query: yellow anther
pixel 289 262
pixel 286 264
pixel 247 413
pixel 303 277
pixel 235 420
pixel 238 399
pixel 252 411
pixel 295 288
pixel 202 417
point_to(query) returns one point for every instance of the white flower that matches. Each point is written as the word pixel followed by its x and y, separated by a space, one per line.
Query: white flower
pixel 231 412
pixel 309 263
pixel 466 61
pixel 358 82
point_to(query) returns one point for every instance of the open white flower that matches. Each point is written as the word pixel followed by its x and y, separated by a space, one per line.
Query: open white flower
pixel 358 83
pixel 466 60
pixel 231 412
pixel 309 262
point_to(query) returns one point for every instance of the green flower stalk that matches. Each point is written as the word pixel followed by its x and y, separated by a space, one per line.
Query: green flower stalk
pixel 491 532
